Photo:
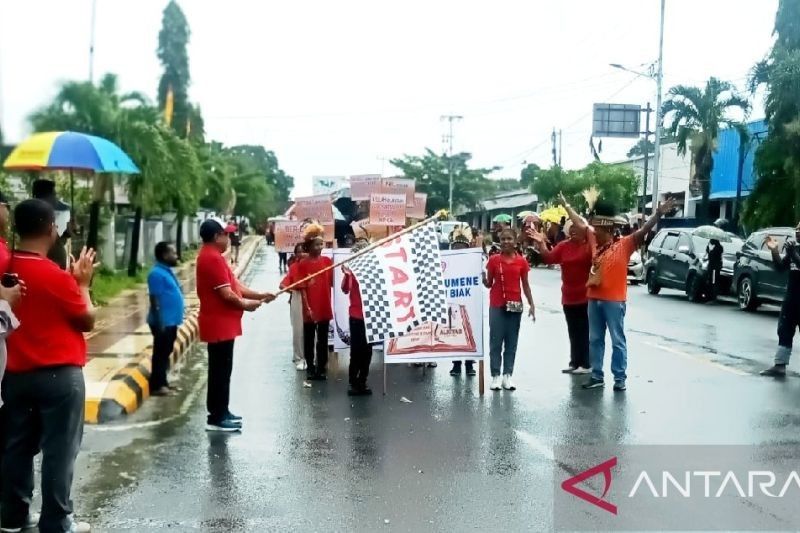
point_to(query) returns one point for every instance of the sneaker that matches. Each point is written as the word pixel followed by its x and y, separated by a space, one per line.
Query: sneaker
pixel 233 418
pixel 619 386
pixel 30 523
pixel 471 369
pixel 568 370
pixel 777 371
pixel 496 380
pixel 227 426
pixel 594 384
pixel 456 370
pixel 78 527
pixel 301 365
pixel 163 391
pixel 507 383
pixel 582 370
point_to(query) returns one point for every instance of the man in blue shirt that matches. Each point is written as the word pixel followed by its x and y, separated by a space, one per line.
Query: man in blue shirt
pixel 166 314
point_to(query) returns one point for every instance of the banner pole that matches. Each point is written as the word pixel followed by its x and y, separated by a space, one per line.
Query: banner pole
pixel 480 377
pixel 369 248
pixel 384 371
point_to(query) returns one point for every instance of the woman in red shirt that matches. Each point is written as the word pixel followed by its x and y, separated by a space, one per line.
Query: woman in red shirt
pixel 317 309
pixel 296 311
pixel 506 277
pixel 575 257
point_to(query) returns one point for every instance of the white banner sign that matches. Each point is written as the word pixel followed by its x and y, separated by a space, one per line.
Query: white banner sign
pixel 328 184
pixel 462 338
pixel 341 305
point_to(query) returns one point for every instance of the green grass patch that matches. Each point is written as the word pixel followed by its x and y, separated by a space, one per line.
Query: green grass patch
pixel 106 284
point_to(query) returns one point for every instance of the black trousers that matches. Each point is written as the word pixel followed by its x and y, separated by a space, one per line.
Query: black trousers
pixel 315 335
pixel 163 342
pixel 220 366
pixel 282 259
pixel 42 408
pixel 360 353
pixel 578 328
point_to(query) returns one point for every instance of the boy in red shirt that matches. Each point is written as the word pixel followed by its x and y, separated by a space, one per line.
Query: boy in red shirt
pixel 223 300
pixel 317 308
pixel 360 350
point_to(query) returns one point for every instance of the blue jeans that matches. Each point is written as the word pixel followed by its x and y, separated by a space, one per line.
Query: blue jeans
pixel 503 330
pixel 611 315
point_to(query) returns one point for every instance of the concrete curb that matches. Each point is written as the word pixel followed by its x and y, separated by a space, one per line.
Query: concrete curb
pixel 128 387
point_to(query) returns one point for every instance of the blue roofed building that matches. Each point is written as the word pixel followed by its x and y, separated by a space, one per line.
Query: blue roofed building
pixel 726 169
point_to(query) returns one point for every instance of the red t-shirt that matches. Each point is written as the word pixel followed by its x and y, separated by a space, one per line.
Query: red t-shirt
pixel 5 256
pixel 513 269
pixel 218 319
pixel 350 286
pixel 576 262
pixel 317 290
pixel 46 335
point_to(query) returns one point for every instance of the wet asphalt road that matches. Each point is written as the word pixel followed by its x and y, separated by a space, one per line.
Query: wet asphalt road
pixel 317 460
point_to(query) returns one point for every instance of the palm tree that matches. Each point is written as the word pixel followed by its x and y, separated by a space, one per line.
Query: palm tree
pixel 695 117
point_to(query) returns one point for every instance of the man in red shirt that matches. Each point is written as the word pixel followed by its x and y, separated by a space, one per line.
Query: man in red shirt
pixel 360 349
pixel 43 387
pixel 223 300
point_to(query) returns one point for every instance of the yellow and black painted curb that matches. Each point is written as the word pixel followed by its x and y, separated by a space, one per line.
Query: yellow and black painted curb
pixel 129 387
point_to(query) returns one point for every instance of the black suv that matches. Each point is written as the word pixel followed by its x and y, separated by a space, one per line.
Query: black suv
pixel 676 259
pixel 755 277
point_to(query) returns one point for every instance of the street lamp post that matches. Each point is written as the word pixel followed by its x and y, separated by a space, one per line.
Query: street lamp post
pixel 658 77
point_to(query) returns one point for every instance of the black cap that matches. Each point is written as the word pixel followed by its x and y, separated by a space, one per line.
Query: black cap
pixel 210 228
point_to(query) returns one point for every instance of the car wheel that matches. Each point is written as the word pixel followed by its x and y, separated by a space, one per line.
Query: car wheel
pixel 747 295
pixel 652 284
pixel 694 288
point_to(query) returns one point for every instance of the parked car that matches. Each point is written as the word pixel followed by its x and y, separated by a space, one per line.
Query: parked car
pixel 755 277
pixel 635 269
pixel 677 260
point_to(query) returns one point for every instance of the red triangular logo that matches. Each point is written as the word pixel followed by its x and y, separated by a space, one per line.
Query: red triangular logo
pixel 569 485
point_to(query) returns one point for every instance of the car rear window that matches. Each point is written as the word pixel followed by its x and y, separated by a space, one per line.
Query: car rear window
pixel 670 242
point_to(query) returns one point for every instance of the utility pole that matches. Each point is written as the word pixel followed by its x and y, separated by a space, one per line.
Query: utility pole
pixel 560 141
pixel 91 43
pixel 450 119
pixel 647 112
pixel 659 118
pixel 553 149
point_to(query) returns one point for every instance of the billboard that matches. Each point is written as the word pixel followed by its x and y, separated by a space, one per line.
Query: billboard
pixel 616 120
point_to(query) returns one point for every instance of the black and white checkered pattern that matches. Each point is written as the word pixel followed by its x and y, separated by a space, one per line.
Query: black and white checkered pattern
pixel 431 295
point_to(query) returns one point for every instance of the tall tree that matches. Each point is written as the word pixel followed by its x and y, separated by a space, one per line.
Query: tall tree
pixel 775 198
pixel 173 40
pixel 695 117
pixel 642 146
pixel 617 184
pixel 430 171
pixel 529 174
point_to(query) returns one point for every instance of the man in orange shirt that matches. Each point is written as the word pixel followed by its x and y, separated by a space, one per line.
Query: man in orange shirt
pixel 608 289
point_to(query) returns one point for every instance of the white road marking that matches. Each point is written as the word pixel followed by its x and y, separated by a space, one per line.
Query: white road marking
pixel 534 442
pixel 697 358
pixel 185 406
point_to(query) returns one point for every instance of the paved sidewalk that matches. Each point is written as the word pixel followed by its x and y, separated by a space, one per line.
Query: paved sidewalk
pixel 119 347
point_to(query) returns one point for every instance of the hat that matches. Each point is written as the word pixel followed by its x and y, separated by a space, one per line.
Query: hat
pixel 601 213
pixel 461 235
pixel 214 225
pixel 46 190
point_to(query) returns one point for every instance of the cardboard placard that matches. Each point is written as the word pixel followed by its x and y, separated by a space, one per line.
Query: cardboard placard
pixel 364 186
pixel 317 208
pixel 418 210
pixel 405 186
pixel 387 210
pixel 287 235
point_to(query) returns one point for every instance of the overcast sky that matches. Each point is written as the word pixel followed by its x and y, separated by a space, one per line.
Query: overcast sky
pixel 333 87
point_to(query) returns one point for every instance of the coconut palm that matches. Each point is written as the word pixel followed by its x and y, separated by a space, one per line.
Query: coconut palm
pixel 695 116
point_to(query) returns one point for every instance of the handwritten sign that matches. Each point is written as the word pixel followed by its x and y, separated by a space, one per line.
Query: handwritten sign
pixel 418 209
pixel 288 233
pixel 400 186
pixel 363 186
pixel 316 208
pixel 387 209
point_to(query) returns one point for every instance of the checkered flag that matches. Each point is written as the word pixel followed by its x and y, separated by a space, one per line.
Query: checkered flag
pixel 402 284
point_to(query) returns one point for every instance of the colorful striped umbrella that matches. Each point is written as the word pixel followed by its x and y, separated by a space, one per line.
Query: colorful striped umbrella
pixel 69 150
